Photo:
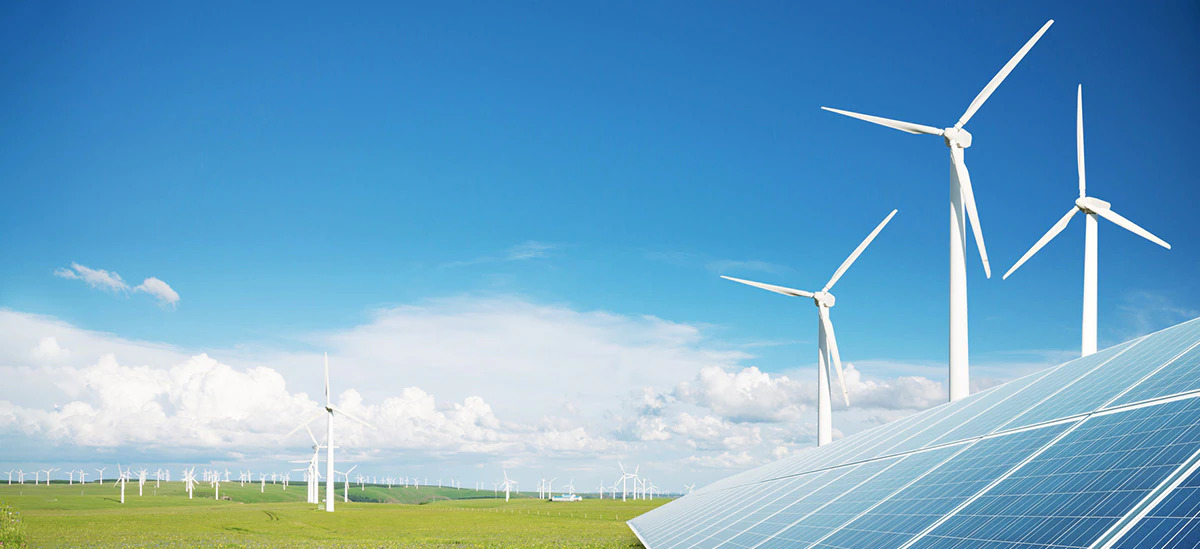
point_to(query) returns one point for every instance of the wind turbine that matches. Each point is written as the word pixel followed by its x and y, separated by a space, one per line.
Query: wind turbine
pixel 189 481
pixel 690 487
pixel 10 474
pixel 1093 207
pixel 346 485
pixel 101 471
pixel 141 480
pixel 626 476
pixel 961 197
pixel 122 478
pixel 827 349
pixel 508 484
pixel 330 409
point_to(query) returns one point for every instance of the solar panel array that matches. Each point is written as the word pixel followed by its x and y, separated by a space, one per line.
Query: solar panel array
pixel 1101 451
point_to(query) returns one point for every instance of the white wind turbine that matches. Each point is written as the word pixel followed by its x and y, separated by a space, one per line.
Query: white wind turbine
pixel 101 472
pixel 82 477
pixel 827 349
pixel 189 481
pixel 624 477
pixel 1093 207
pixel 330 409
pixel 346 484
pixel 508 484
pixel 141 480
pixel 122 477
pixel 961 197
pixel 690 487
pixel 10 474
pixel 20 476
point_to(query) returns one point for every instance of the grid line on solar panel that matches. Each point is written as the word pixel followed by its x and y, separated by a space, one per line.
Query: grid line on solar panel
pixel 1081 484
pixel 837 510
pixel 894 520
pixel 1173 522
pixel 1101 385
pixel 1180 375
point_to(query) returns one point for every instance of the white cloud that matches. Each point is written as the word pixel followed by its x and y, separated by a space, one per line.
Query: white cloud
pixel 48 350
pixel 469 380
pixel 112 282
pixel 159 290
pixel 96 278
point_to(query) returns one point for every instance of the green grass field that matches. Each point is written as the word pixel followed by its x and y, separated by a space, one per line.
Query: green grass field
pixel 92 516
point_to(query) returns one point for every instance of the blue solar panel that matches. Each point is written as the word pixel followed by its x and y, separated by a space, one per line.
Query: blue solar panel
pixel 971 474
pixel 1179 376
pixel 1175 522
pixel 787 511
pixel 841 509
pixel 905 514
pixel 1037 387
pixel 1074 491
pixel 737 507
pixel 1097 388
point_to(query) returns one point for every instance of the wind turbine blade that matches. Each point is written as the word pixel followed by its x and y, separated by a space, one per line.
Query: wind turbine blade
pixel 1000 76
pixel 305 425
pixel 853 256
pixel 833 351
pixel 343 413
pixel 901 125
pixel 771 287
pixel 1079 144
pixel 1053 232
pixel 327 379
pixel 1131 226
pixel 968 195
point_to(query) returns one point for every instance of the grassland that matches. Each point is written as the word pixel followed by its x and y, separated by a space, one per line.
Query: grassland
pixel 91 515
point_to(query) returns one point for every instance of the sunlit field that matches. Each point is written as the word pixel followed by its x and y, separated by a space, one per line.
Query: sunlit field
pixel 91 516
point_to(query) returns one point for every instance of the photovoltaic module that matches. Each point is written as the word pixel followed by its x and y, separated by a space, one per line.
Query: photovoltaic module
pixel 1101 451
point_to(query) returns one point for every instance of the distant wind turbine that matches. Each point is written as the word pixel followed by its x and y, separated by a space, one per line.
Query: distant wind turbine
pixel 1093 207
pixel 827 352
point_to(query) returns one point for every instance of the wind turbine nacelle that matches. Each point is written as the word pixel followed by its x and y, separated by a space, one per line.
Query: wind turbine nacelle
pixel 957 137
pixel 824 299
pixel 1091 205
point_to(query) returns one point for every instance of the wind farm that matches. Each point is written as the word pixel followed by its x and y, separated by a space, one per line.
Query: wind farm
pixel 299 277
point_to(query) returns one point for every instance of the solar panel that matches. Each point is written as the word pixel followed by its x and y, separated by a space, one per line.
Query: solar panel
pixel 1175 522
pixel 1099 450
pixel 907 513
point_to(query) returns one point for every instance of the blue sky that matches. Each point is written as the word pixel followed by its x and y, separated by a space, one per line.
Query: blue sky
pixel 292 170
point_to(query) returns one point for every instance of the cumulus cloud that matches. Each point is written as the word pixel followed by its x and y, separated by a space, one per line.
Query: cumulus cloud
pixel 112 282
pixel 48 350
